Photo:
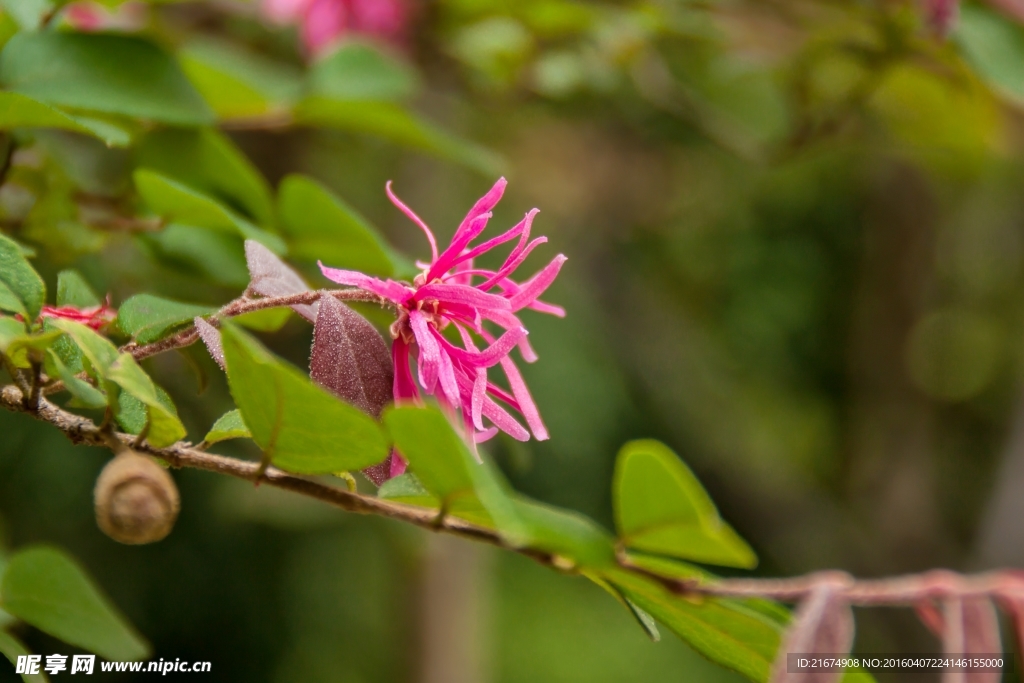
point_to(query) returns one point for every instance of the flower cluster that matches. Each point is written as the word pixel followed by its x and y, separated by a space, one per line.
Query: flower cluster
pixel 323 22
pixel 451 292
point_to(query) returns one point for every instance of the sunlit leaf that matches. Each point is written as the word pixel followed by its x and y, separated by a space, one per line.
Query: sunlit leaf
pixel 660 507
pixel 164 426
pixel 228 426
pixel 47 589
pixel 447 469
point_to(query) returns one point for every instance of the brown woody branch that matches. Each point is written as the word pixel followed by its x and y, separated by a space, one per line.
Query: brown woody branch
pixel 906 590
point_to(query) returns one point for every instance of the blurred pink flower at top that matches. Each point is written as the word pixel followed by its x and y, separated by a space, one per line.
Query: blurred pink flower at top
pixel 447 293
pixel 323 22
pixel 90 16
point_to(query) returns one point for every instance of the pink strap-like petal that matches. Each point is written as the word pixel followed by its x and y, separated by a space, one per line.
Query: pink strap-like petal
pixel 449 385
pixel 544 307
pixel 520 229
pixel 390 290
pixel 414 218
pixel 510 321
pixel 503 421
pixel 405 386
pixel 535 286
pixel 510 265
pixel 447 259
pixel 430 351
pixel 526 405
pixel 398 465
pixel 461 294
pixel 489 356
pixel 486 435
pixel 483 205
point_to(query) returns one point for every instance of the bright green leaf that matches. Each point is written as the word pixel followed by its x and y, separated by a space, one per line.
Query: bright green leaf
pixel 361 71
pixel 44 587
pixel 660 507
pixel 22 289
pixel 393 122
pixel 98 350
pixel 738 639
pixel 178 202
pixel 147 318
pixel 27 13
pixel 12 648
pixel 300 427
pixel 229 426
pixel 267 320
pixel 239 84
pixel 164 426
pixel 447 469
pixel 83 394
pixel 567 534
pixel 321 226
pixel 73 290
pixel 102 72
pixel 208 161
pixel 21 348
pixel 995 47
pixel 21 111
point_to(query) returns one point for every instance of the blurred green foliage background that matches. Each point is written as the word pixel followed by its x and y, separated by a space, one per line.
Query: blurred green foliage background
pixel 795 231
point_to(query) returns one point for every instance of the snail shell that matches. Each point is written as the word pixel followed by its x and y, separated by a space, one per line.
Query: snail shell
pixel 136 500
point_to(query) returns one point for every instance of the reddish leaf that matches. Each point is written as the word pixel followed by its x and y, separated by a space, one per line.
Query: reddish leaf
pixel 970 626
pixel 211 337
pixel 823 624
pixel 270 276
pixel 351 360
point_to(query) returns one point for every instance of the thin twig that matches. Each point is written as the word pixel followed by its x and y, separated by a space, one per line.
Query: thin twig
pixel 1006 585
pixel 240 306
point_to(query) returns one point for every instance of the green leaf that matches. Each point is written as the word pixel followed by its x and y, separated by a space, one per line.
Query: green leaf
pixel 267 320
pixel 21 111
pixel 147 318
pixel 739 639
pixel 18 349
pixel 164 426
pixel 208 161
pixel 73 290
pixel 229 426
pixel 217 257
pixel 300 427
pixel 102 72
pixel 569 535
pixel 643 619
pixel 239 84
pixel 321 226
pixel 443 463
pixel 392 122
pixel 95 348
pixel 360 71
pixel 83 394
pixel 660 507
pixel 12 648
pixel 178 202
pixel 407 488
pixel 28 14
pixel 47 589
pixel 994 45
pixel 21 288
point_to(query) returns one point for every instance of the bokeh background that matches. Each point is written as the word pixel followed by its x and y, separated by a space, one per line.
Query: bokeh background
pixel 795 232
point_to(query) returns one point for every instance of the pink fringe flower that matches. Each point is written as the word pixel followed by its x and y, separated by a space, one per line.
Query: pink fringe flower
pixel 95 317
pixel 452 291
pixel 323 22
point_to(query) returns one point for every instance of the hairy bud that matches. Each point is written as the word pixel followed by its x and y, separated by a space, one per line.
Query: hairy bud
pixel 136 500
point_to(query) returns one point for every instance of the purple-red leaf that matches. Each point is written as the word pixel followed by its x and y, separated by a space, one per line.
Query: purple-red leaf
pixel 823 625
pixel 211 337
pixel 970 627
pixel 270 276
pixel 350 358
